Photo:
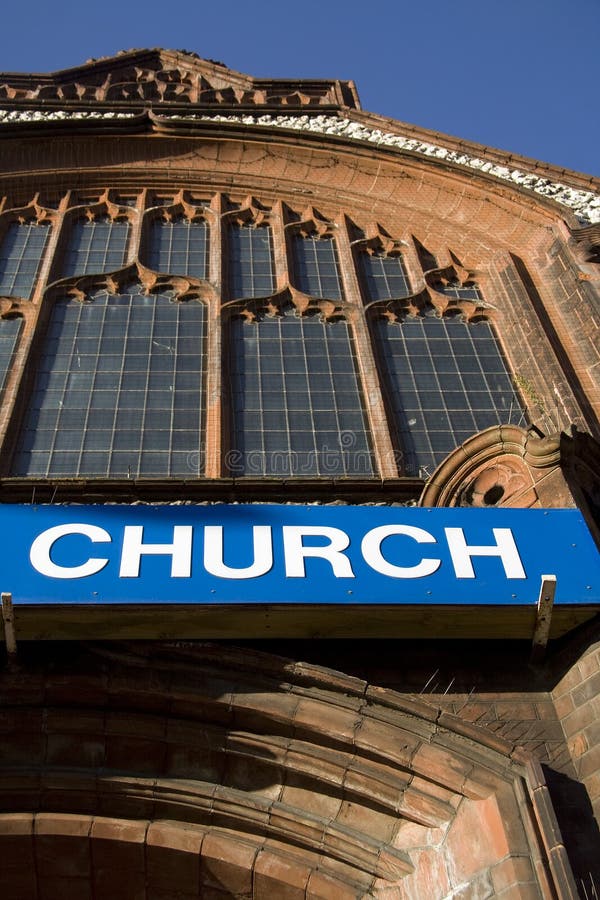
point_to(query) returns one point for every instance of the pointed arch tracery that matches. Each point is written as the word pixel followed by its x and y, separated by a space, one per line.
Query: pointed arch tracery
pixel 291 275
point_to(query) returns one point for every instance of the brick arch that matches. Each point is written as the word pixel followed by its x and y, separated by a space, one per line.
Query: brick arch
pixel 108 857
pixel 379 182
pixel 228 770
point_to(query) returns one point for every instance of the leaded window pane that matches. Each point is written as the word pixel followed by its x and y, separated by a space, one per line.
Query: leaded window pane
pixel 9 333
pixel 296 399
pixel 383 277
pixel 467 291
pixel 20 256
pixel 251 270
pixel 96 246
pixel 180 247
pixel 109 398
pixel 447 380
pixel 316 266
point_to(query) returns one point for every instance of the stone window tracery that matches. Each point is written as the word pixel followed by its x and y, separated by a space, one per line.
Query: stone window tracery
pixel 446 380
pixel 309 368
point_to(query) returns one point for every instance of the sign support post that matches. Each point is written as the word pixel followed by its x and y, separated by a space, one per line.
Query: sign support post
pixel 8 619
pixel 543 618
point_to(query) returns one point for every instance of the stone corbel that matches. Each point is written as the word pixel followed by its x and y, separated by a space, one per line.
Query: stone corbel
pixel 312 224
pixel 588 240
pixel 251 212
pixel 377 241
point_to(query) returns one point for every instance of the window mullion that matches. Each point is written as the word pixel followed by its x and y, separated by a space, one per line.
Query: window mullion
pixel 119 390
pixel 135 230
pixel 375 409
pixel 213 414
pixel 58 225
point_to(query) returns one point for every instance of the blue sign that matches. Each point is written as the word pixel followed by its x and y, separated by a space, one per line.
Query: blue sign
pixel 290 554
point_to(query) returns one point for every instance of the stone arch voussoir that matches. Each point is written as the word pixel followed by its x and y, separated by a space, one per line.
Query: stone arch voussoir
pixel 208 769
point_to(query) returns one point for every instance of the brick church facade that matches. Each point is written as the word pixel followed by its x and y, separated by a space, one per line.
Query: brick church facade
pixel 222 289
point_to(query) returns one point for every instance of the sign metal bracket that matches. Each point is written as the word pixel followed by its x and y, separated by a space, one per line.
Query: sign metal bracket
pixel 543 618
pixel 8 619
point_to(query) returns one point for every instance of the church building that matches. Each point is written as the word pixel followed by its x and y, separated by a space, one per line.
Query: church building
pixel 300 496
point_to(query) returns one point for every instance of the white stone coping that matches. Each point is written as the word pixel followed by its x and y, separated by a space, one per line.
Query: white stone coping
pixel 584 204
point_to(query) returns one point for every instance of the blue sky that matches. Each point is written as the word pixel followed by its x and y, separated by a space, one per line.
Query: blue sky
pixel 521 75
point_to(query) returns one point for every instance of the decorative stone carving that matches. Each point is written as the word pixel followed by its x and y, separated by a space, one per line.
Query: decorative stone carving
pixel 589 240
pixel 496 484
pixel 10 308
pixel 250 212
pixel 419 303
pixel 256 308
pixel 312 224
pixel 377 241
pixel 33 212
pixel 170 77
pixel 180 287
pixel 105 206
pixel 505 465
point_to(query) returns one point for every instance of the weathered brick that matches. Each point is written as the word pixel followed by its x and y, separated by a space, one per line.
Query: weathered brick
pixel 511 873
pixel 587 690
pixel 279 876
pixel 227 864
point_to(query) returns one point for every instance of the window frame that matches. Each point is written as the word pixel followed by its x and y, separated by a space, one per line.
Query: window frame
pixel 286 226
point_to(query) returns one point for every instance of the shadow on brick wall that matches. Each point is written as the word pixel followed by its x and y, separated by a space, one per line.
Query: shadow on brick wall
pixel 579 829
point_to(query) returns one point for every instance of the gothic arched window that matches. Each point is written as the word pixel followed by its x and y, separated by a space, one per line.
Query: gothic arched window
pixel 250 260
pixel 323 348
pixel 446 380
pixel 295 396
pixel 20 256
pixel 316 266
pixel 178 246
pixel 383 276
pixel 96 245
pixel 119 389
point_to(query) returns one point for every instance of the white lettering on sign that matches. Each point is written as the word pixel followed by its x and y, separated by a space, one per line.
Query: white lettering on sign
pixel 180 551
pixel 504 547
pixel 41 550
pixel 213 553
pixel 371 551
pixel 295 551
